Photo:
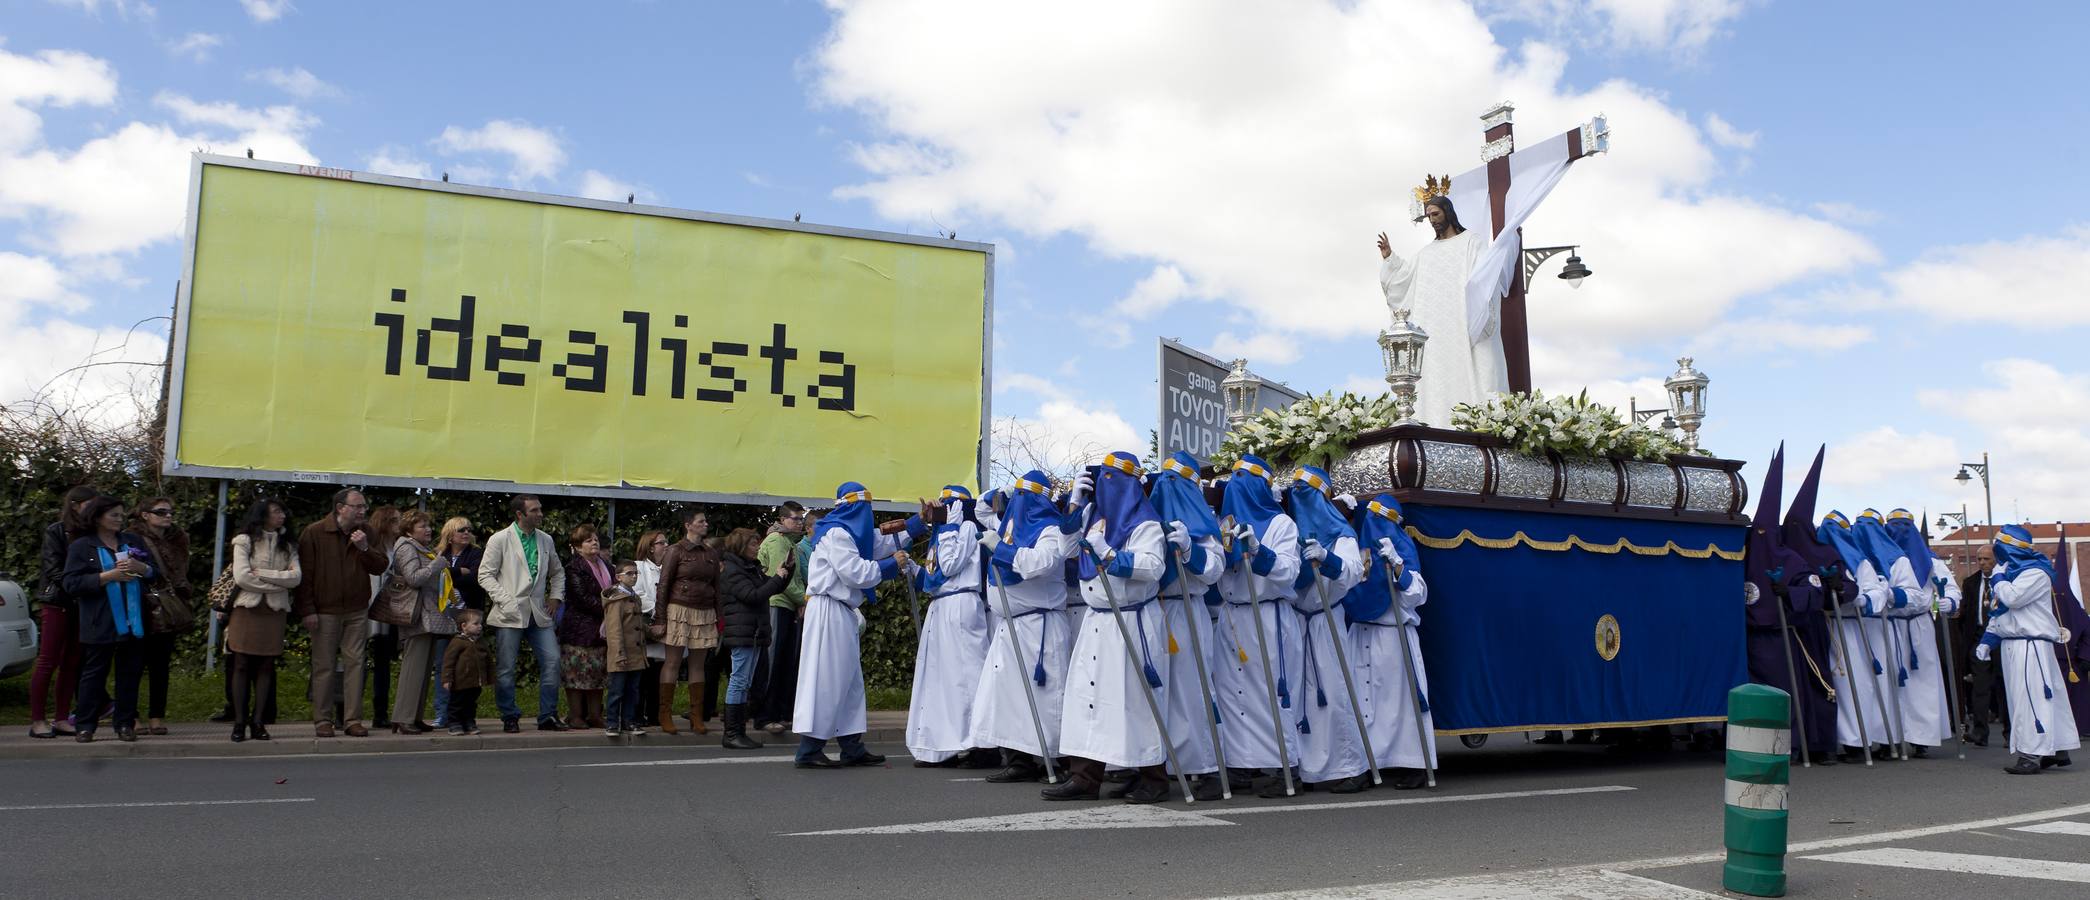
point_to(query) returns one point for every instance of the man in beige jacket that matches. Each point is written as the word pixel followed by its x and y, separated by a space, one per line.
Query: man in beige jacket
pixel 525 584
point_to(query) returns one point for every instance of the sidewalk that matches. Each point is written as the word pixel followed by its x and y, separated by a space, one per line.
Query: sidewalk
pixel 197 739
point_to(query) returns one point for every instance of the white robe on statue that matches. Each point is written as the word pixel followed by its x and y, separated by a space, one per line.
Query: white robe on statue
pixel 1389 702
pixel 1860 691
pixel 953 650
pixel 830 699
pixel 1431 288
pixel 1189 719
pixel 1240 688
pixel 2041 722
pixel 1915 636
pixel 1330 747
pixel 1001 714
pixel 1104 717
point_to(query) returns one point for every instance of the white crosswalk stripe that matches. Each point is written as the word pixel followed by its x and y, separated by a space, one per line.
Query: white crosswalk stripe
pixel 2082 828
pixel 1581 884
pixel 1966 863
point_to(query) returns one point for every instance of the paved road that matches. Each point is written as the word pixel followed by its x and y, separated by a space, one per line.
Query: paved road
pixel 1509 821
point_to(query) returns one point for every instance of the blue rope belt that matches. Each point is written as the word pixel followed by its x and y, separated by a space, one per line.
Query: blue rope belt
pixel 1313 674
pixel 2032 662
pixel 1037 672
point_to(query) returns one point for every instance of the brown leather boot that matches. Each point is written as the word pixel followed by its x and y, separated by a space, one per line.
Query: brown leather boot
pixel 667 710
pixel 696 708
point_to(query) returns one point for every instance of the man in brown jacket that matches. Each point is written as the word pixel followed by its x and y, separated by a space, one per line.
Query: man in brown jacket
pixel 334 603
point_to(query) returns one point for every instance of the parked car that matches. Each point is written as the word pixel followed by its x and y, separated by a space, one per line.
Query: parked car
pixel 17 632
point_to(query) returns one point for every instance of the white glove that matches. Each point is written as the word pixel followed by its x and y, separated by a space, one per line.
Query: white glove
pixel 1246 536
pixel 990 539
pixel 1349 501
pixel 860 623
pixel 1179 537
pixel 1981 652
pixel 1314 552
pixel 1082 488
pixel 1388 553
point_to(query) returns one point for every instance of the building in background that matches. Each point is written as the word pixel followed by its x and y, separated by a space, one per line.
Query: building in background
pixel 1958 549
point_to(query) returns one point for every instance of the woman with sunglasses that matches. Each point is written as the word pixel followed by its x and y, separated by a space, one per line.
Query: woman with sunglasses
pixel 172 610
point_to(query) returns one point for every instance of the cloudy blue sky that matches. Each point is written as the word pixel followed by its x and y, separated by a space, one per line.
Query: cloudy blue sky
pixel 1863 219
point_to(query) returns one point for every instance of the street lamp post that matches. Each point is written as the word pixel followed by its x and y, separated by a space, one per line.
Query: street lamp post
pixel 1988 497
pixel 1572 273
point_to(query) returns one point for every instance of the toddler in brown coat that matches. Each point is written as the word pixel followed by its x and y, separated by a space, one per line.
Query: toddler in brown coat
pixel 466 669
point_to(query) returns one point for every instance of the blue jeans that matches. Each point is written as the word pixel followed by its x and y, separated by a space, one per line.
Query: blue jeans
pixel 442 694
pixel 545 646
pixel 852 747
pixel 743 674
pixel 622 710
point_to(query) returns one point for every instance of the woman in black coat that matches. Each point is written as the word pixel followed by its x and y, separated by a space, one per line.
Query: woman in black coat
pixel 743 604
pixel 105 575
pixel 58 647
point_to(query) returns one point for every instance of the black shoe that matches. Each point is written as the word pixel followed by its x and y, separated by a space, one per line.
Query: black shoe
pixel 239 734
pixel 1120 791
pixel 867 759
pixel 818 761
pixel 739 741
pixel 1144 791
pixel 2024 765
pixel 259 733
pixel 1550 737
pixel 950 763
pixel 1021 772
pixel 511 726
pixel 1119 776
pixel 1241 779
pixel 1822 759
pixel 380 722
pixel 1355 784
pixel 84 735
pixel 1070 790
pixel 1271 787
pixel 1409 780
pixel 1206 788
pixel 977 758
pixel 126 734
pixel 1883 752
pixel 1851 755
pixel 552 725
pixel 223 716
pixel 2059 760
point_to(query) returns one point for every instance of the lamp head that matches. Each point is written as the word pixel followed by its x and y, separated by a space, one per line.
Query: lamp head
pixel 1574 272
pixel 1962 477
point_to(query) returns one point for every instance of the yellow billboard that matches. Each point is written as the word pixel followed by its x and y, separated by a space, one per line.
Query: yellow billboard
pixel 336 325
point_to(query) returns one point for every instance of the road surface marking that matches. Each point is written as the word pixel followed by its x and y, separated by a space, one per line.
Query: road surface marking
pixel 2056 828
pixel 1967 863
pixel 1114 816
pixel 684 761
pixel 1171 816
pixel 145 805
pixel 1593 884
pixel 968 779
pixel 1406 801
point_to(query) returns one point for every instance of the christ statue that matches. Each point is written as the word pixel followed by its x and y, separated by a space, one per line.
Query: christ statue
pixel 1430 291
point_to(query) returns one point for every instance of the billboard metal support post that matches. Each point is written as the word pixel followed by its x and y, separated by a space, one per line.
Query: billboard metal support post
pixel 217 565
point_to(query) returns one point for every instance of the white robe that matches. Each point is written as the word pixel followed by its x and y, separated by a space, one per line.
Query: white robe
pixel 1189 717
pixel 1923 708
pixel 952 651
pixel 1104 717
pixel 1432 290
pixel 1383 691
pixel 2041 722
pixel 1242 692
pixel 1001 714
pixel 830 699
pixel 1330 746
pixel 1857 683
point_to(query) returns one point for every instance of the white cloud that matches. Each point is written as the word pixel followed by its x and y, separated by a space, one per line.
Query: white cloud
pixel 1364 385
pixel 1061 436
pixel 124 9
pixel 1727 135
pixel 59 78
pixel 1258 160
pixel 1848 213
pixel 295 81
pixel 39 340
pixel 391 160
pixel 1681 26
pixel 533 152
pixel 265 10
pixel 1766 334
pixel 1155 293
pixel 2038 275
pixel 1261 349
pixel 598 186
pixel 196 46
pixel 2025 391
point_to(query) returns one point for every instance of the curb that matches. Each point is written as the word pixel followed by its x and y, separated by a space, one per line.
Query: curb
pixel 106 746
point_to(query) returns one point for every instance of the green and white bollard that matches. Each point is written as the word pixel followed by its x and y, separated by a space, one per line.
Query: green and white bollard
pixel 1759 763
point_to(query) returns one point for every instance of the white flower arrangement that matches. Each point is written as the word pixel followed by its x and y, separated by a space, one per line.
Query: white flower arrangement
pixel 1315 431
pixel 1570 426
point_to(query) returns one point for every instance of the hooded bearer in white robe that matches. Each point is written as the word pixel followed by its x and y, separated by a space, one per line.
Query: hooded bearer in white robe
pixel 850 556
pixel 1196 560
pixel 1104 720
pixel 1331 743
pixel 955 634
pixel 1861 685
pixel 2023 630
pixel 1915 636
pixel 1383 615
pixel 1262 564
pixel 1430 290
pixel 1027 557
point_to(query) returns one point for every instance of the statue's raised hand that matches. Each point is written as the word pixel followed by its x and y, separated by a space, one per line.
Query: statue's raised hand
pixel 1385 246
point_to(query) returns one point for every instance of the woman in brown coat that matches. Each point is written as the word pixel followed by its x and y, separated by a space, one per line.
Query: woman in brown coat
pixel 689 593
pixel 264 569
pixel 169 546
